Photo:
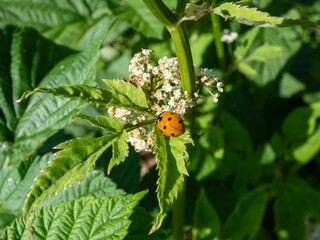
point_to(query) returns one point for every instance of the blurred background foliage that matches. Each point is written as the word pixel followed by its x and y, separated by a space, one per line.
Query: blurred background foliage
pixel 254 169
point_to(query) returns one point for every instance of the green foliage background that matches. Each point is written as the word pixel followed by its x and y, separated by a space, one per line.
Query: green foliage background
pixel 254 169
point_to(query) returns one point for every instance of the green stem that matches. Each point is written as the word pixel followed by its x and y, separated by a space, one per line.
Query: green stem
pixel 184 56
pixel 160 10
pixel 181 5
pixel 179 214
pixel 130 128
pixel 216 27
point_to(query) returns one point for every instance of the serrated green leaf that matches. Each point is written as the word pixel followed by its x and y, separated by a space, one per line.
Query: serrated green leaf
pixel 83 219
pixel 205 219
pixel 253 17
pixel 138 15
pixel 47 114
pixel 110 124
pixel 14 201
pixel 72 163
pixel 236 133
pixel 71 23
pixel 95 184
pixel 31 13
pixel 245 220
pixel 6 219
pixel 89 94
pixel 128 92
pixel 171 155
pixel 308 149
pixel 120 149
pixel 9 177
pixel 265 51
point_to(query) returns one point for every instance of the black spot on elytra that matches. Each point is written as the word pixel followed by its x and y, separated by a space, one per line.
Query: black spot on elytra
pixel 172 134
pixel 169 119
pixel 171 112
pixel 180 121
pixel 164 127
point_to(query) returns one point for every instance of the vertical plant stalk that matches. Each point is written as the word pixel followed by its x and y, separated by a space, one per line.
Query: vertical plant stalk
pixel 181 5
pixel 182 47
pixel 216 27
pixel 178 215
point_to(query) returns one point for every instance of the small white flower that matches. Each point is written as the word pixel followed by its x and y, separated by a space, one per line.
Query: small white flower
pixel 228 36
pixel 167 87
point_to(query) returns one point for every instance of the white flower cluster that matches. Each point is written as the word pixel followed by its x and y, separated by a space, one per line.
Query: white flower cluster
pixel 162 86
pixel 207 78
pixel 228 36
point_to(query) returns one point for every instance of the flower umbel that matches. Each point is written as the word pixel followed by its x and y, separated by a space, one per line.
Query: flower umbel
pixel 162 85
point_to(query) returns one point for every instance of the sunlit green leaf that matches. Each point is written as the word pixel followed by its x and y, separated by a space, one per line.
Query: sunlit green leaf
pixel 110 124
pixel 265 51
pixel 120 149
pixel 95 184
pixel 128 93
pixel 72 163
pixel 171 155
pixel 246 69
pixel 84 218
pixel 307 150
pixel 289 85
pixel 253 17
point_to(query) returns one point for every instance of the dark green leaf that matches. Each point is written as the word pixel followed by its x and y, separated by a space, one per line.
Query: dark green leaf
pixel 308 196
pixel 245 220
pixel 288 213
pixel 299 124
pixel 31 168
pixel 236 133
pixel 69 23
pixel 137 14
pixel 46 114
pixel 205 219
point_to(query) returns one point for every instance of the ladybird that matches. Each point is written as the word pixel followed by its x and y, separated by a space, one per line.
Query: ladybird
pixel 170 123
